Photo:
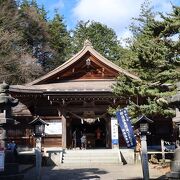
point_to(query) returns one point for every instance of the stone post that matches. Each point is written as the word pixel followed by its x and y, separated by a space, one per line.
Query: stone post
pixel 175 164
pixel 38 158
pixel 144 159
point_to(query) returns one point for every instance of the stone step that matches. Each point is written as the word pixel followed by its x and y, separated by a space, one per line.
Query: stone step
pixel 91 157
pixel 90 152
pixel 89 165
pixel 70 161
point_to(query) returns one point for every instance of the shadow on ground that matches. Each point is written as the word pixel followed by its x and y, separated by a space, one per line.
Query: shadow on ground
pixel 87 173
pixel 67 174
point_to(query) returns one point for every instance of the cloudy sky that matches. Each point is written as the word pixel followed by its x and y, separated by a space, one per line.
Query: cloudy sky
pixel 116 14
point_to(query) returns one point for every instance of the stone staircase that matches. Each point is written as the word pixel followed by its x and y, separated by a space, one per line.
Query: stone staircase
pixel 94 156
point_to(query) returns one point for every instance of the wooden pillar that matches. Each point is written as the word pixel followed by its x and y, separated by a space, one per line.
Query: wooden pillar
pixel 64 131
pixel 108 129
pixel 62 114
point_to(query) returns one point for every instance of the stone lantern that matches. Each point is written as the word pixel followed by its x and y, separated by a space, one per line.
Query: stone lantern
pixel 39 128
pixel 175 164
pixel 10 170
pixel 143 124
pixel 6 103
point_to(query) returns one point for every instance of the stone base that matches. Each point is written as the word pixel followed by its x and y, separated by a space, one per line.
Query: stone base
pixel 128 155
pixel 173 175
pixel 137 158
pixel 4 120
pixel 115 146
pixel 10 168
pixel 12 177
pixel 11 172
pixel 54 158
pixel 175 166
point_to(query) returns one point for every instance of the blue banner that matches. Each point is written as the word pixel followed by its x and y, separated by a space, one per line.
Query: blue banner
pixel 126 128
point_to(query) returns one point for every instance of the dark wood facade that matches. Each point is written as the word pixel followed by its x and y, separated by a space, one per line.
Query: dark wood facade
pixel 66 97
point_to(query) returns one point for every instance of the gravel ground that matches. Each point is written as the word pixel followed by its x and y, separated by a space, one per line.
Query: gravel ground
pixel 96 172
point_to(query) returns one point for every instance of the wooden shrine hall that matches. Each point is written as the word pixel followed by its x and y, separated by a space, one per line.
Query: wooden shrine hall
pixel 74 96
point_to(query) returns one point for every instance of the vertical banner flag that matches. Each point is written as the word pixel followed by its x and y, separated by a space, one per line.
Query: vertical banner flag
pixel 2 158
pixel 126 128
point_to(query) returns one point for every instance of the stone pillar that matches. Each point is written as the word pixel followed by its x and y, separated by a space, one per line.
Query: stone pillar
pixel 175 164
pixel 2 137
pixel 5 121
pixel 11 170
pixel 144 159
pixel 38 158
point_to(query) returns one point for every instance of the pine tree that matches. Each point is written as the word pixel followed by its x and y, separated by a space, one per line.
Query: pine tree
pixel 155 62
pixel 59 40
pixel 35 32
pixel 104 39
pixel 43 13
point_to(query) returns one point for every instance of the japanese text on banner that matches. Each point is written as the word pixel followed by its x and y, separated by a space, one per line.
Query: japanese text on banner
pixel 126 128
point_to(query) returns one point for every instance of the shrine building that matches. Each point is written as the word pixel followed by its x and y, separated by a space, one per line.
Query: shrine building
pixel 74 96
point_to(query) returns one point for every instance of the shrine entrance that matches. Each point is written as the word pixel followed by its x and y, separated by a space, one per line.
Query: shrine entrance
pixel 97 133
pixel 71 96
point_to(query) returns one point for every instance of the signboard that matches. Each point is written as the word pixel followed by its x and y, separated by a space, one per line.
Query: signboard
pixel 2 160
pixel 126 128
pixel 114 131
pixel 53 128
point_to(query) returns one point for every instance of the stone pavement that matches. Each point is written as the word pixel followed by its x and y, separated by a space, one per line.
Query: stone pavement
pixel 95 172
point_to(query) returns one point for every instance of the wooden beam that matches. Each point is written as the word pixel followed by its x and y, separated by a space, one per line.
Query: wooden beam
pixel 82 109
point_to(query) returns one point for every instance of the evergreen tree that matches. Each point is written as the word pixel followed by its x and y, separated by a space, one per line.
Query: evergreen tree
pixel 59 40
pixel 103 39
pixel 43 13
pixel 14 67
pixel 156 63
pixel 35 32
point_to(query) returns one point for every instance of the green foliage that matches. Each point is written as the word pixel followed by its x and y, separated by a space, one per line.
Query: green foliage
pixel 10 40
pixel 103 39
pixel 34 27
pixel 59 40
pixel 31 45
pixel 154 55
pixel 146 16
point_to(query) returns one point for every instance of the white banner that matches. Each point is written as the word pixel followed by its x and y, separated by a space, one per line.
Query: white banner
pixel 53 128
pixel 114 131
pixel 1 160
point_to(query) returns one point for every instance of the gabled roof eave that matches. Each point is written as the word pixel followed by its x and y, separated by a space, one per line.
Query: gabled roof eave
pixel 81 53
pixel 59 68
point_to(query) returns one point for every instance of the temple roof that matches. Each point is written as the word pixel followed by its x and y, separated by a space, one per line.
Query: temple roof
pixel 69 86
pixel 88 48
pixel 87 70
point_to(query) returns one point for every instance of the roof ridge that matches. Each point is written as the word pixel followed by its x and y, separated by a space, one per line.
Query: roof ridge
pixel 87 47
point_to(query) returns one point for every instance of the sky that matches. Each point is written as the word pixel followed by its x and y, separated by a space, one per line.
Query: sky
pixel 116 14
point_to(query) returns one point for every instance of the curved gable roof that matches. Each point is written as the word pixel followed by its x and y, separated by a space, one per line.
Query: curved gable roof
pixel 88 48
